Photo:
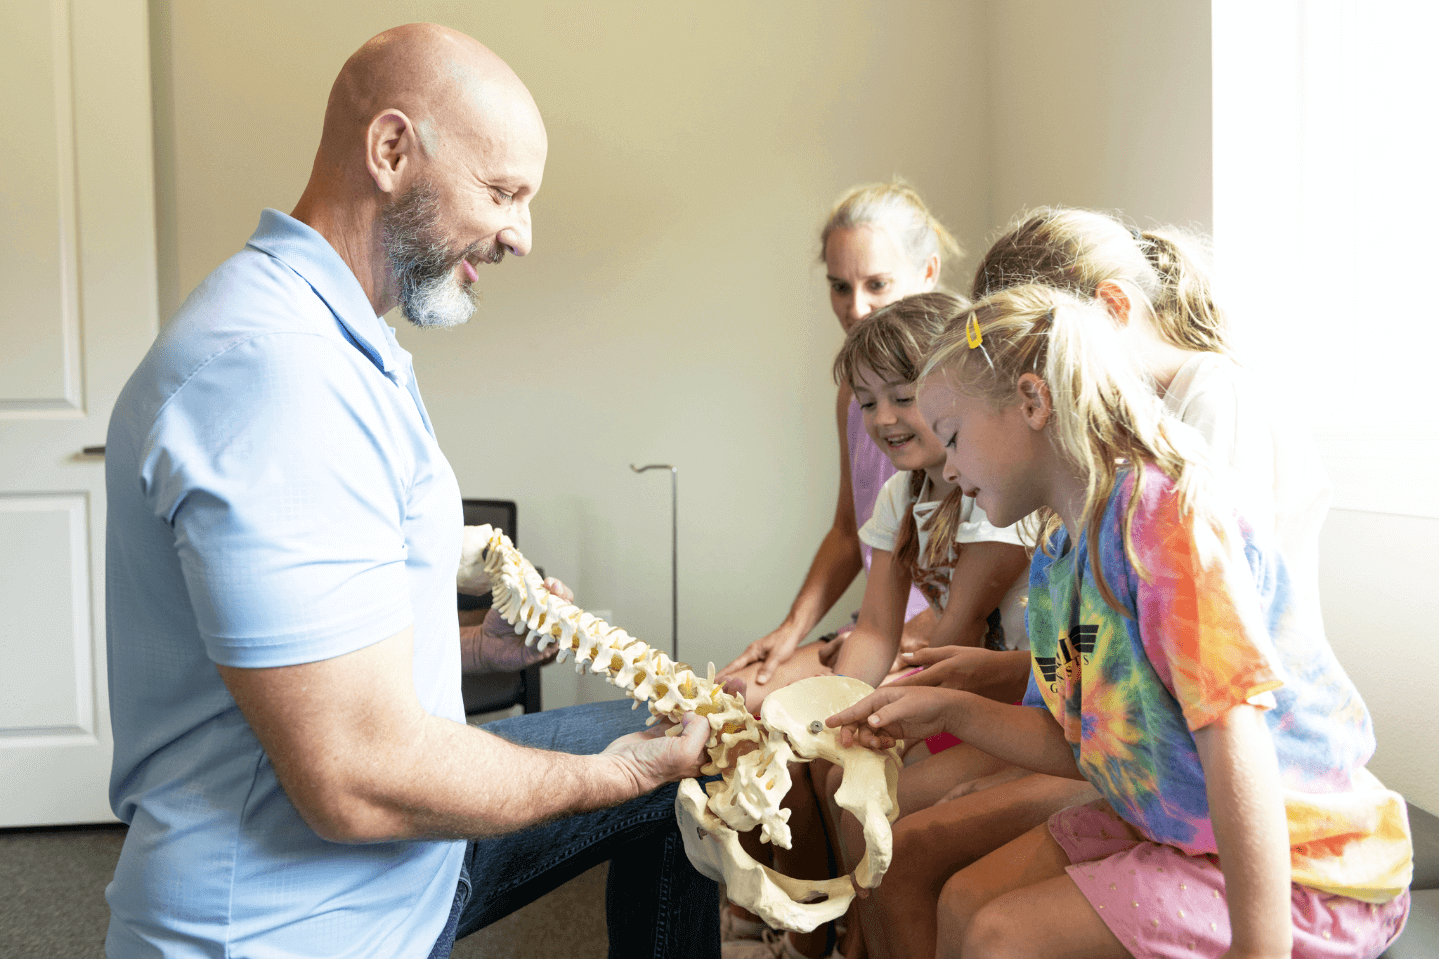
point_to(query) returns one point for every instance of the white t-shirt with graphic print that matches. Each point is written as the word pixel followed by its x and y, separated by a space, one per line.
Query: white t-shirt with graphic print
pixel 882 529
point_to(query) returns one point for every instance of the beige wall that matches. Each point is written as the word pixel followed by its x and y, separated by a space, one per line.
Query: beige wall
pixel 1103 104
pixel 672 310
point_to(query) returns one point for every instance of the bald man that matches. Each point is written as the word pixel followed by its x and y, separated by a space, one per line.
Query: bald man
pixel 283 536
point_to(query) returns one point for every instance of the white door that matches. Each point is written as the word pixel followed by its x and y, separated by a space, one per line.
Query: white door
pixel 77 311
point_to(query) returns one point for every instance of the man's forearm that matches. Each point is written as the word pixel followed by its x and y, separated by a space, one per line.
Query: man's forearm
pixel 455 781
pixel 362 761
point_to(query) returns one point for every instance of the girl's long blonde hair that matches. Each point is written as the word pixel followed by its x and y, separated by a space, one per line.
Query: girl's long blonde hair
pixel 1076 250
pixel 1106 415
pixel 892 342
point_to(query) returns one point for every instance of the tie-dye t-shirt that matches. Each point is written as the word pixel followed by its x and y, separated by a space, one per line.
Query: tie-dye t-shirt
pixel 1209 626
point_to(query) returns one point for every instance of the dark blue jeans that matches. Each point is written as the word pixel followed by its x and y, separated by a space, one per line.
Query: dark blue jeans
pixel 656 904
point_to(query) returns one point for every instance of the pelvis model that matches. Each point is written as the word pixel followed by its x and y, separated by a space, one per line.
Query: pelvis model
pixel 750 756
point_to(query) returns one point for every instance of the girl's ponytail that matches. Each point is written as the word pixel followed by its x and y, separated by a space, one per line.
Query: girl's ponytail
pixel 1076 250
pixel 1184 304
pixel 906 541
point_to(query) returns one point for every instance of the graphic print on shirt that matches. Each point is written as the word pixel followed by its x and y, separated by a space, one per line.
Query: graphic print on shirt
pixel 1073 652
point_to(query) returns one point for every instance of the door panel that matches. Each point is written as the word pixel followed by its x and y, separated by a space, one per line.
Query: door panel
pixel 45 605
pixel 77 262
pixel 37 249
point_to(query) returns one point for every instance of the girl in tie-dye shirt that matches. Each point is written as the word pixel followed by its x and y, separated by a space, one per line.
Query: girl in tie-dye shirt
pixel 1172 669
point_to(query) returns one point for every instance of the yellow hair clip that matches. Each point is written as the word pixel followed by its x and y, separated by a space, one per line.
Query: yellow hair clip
pixel 972 335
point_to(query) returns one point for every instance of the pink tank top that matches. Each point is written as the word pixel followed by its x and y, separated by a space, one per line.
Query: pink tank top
pixel 868 469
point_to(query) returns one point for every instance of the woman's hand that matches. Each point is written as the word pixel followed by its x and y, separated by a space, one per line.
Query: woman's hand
pixel 771 651
pixel 890 714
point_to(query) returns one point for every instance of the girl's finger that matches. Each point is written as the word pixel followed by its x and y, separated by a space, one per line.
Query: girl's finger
pixel 860 711
pixel 925 677
pixel 929 655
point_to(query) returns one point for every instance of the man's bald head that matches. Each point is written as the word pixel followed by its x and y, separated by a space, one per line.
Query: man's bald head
pixel 431 152
pixel 450 85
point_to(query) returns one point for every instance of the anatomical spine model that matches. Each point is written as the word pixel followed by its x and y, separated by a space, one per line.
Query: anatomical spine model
pixel 750 756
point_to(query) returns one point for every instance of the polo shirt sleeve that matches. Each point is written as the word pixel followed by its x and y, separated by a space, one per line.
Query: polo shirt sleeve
pixel 281 470
pixel 882 528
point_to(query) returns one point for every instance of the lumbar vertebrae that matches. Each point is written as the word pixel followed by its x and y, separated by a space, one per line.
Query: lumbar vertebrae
pixel 751 756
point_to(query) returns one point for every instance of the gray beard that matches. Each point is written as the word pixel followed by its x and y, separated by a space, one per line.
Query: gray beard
pixel 430 294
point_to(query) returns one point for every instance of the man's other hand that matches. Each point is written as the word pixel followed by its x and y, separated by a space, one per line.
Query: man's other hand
pixel 495 647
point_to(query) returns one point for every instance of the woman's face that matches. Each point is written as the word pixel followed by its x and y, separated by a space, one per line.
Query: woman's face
pixel 867 269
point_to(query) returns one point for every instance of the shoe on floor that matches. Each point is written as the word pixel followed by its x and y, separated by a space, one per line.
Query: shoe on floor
pixel 770 945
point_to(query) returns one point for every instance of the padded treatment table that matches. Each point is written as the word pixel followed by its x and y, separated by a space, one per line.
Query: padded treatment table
pixel 1420 939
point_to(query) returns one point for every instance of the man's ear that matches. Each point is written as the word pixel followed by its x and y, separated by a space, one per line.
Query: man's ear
pixel 390 144
pixel 1035 404
pixel 1115 299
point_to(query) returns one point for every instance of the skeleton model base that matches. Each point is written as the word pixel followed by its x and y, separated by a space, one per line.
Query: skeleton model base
pixel 751 757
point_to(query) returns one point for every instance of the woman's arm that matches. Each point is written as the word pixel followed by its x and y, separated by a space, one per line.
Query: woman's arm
pixel 869 650
pixel 834 567
pixel 1251 831
pixel 983 574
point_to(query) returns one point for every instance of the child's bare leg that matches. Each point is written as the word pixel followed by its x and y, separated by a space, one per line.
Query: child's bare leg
pixel 803 664
pixel 926 782
pixel 920 785
pixel 933 844
pixel 1019 902
pixel 808 856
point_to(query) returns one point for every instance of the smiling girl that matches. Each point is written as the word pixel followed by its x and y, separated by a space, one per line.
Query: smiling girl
pixel 1171 669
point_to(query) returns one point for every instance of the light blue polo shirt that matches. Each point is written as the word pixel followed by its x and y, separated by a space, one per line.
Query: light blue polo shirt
pixel 276 496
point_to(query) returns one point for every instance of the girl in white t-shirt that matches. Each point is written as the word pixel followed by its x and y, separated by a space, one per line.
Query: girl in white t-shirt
pixel 925 531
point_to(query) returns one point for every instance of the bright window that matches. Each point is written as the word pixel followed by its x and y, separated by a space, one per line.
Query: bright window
pixel 1326 223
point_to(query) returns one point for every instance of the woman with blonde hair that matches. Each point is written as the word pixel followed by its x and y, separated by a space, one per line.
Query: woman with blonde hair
pixel 879 243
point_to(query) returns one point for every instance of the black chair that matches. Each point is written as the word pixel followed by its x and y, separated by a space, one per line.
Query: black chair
pixel 490 692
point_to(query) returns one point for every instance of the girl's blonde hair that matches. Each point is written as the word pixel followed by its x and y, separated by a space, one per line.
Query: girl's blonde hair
pixel 892 343
pixel 1106 416
pixel 896 207
pixel 1076 250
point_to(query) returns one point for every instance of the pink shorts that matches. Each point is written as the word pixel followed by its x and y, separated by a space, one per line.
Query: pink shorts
pixel 1166 904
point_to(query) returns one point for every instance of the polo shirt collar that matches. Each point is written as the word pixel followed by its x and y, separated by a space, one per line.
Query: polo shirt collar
pixel 310 255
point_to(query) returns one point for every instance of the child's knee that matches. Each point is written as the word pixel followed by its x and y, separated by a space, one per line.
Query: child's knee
pixel 992 933
pixel 912 848
pixel 959 903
